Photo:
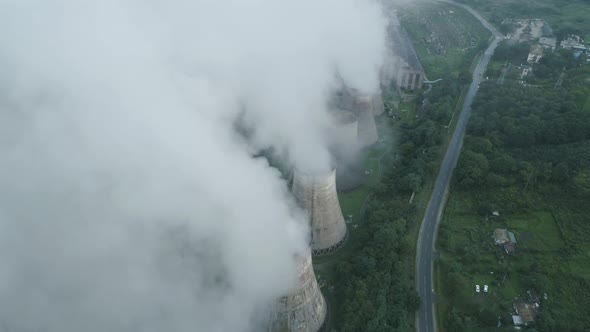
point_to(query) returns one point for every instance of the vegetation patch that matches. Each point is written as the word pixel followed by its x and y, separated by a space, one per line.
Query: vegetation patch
pixel 565 16
pixel 524 168
pixel 447 37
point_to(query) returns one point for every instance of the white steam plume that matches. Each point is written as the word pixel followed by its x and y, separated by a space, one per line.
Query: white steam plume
pixel 126 202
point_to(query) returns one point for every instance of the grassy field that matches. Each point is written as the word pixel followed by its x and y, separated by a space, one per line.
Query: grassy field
pixel 446 37
pixel 552 256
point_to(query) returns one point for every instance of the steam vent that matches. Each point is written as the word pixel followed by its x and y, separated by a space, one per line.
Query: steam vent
pixel 317 195
pixel 303 310
pixel 367 130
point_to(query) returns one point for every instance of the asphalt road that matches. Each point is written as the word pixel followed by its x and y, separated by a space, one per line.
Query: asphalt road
pixel 425 254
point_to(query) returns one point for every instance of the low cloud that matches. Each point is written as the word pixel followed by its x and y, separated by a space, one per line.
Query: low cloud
pixel 127 202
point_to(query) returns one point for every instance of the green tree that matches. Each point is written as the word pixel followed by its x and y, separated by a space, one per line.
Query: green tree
pixel 561 173
pixel 411 183
pixel 465 77
pixel 487 318
pixel 413 301
pixel 581 183
pixel 472 168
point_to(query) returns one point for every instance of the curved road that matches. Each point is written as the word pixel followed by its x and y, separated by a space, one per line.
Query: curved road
pixel 425 253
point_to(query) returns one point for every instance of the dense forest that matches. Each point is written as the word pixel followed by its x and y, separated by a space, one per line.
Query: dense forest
pixel 565 16
pixel 518 131
pixel 526 154
pixel 377 290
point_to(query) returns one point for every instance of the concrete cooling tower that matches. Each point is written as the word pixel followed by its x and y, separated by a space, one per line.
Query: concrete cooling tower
pixel 344 147
pixel 367 129
pixel 316 193
pixel 343 132
pixel 304 309
pixel 378 107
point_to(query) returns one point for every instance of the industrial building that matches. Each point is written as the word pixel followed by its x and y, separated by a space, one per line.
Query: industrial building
pixel 404 65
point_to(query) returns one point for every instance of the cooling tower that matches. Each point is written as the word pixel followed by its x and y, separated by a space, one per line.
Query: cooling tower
pixel 378 107
pixel 344 148
pixel 304 309
pixel 316 193
pixel 343 132
pixel 367 130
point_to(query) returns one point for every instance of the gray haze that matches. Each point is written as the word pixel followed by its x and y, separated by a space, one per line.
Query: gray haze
pixel 126 201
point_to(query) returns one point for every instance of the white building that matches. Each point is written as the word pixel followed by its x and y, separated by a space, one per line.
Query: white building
pixel 535 54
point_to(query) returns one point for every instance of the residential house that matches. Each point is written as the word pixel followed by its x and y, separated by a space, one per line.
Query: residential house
pixel 500 236
pixel 571 42
pixel 548 42
pixel 526 311
pixel 535 54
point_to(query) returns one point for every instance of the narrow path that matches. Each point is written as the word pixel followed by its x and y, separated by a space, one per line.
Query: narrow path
pixel 426 320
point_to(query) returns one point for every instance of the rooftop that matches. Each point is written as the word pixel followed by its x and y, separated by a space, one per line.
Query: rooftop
pixel 551 42
pixel 536 50
pixel 401 45
pixel 501 236
pixel 509 247
pixel 517 320
pixel 526 311
pixel 512 237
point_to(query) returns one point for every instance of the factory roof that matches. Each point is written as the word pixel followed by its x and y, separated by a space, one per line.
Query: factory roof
pixel 402 46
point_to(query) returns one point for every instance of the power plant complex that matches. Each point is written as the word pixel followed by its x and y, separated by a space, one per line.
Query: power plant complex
pixel 354 128
pixel 304 309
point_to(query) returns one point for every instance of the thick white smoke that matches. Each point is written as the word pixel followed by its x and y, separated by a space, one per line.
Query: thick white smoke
pixel 126 201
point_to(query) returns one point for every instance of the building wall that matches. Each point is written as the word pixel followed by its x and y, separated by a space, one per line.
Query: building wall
pixel 408 78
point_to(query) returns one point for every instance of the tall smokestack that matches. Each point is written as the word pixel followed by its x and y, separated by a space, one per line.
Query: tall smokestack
pixel 303 309
pixel 317 195
pixel 367 130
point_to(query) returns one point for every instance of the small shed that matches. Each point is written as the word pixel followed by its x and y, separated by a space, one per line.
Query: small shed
pixel 512 237
pixel 517 320
pixel 509 247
